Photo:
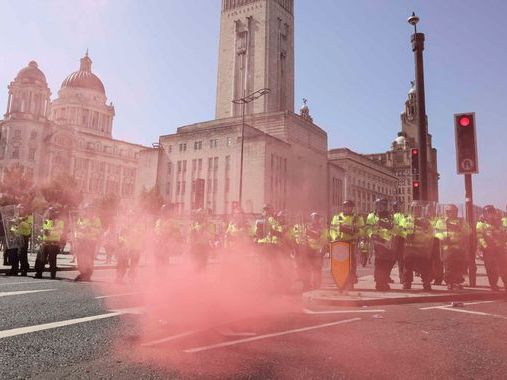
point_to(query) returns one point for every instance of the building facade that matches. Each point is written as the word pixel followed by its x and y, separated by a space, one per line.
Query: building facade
pixel 399 158
pixel 364 180
pixel 285 154
pixel 71 135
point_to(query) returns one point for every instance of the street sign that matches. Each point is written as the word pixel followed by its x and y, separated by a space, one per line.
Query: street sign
pixel 466 143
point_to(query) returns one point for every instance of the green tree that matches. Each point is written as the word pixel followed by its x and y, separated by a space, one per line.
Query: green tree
pixel 151 200
pixel 62 190
pixel 16 185
pixel 107 208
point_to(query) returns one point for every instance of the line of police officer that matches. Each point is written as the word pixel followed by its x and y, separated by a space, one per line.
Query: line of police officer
pixel 419 242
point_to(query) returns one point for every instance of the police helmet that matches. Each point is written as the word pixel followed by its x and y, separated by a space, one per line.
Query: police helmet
pixel 281 216
pixel 451 209
pixel 489 209
pixel 396 206
pixel 381 205
pixel 267 207
pixel 348 203
pixel 315 217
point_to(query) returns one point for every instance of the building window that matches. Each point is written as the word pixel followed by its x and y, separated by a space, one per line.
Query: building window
pixel 183 188
pixel 183 147
pixel 17 135
pixel 169 148
pixel 31 154
pixel 197 145
pixel 227 162
pixel 15 152
pixel 215 163
pixel 169 168
pixel 199 164
pixel 213 143
pixel 227 185
pixel 179 166
pixel 33 135
pixel 210 163
pixel 184 166
pixel 229 141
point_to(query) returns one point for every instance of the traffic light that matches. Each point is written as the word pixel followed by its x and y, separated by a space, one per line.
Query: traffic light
pixel 414 153
pixel 416 190
pixel 466 143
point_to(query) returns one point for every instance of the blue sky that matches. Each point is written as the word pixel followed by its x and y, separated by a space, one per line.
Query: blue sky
pixel 158 62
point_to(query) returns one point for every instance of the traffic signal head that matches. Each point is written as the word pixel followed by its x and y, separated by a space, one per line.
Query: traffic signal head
pixel 466 144
pixel 414 156
pixel 416 190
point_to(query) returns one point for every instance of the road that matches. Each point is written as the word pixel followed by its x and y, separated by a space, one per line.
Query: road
pixel 63 329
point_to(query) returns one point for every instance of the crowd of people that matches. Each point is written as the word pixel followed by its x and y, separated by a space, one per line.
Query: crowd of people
pixel 436 248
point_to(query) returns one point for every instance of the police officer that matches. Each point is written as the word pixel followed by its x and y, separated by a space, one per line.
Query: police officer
pixel 132 240
pixel 236 234
pixel 23 229
pixel 53 229
pixel 168 235
pixel 312 240
pixel 381 230
pixel 399 240
pixel 88 231
pixel 418 233
pixel 492 241
pixel 347 226
pixel 201 238
pixel 454 236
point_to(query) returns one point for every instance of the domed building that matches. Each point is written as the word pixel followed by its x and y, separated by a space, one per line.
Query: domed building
pixel 71 135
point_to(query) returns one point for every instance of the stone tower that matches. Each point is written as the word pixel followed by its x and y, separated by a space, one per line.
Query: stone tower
pixel 256 51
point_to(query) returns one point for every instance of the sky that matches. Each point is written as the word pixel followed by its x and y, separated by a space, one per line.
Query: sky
pixel 354 63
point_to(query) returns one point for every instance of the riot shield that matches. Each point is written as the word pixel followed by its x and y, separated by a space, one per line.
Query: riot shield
pixel 341 262
pixel 36 237
pixel 10 216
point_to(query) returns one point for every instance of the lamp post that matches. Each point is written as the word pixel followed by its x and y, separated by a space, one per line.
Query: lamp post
pixel 244 101
pixel 417 40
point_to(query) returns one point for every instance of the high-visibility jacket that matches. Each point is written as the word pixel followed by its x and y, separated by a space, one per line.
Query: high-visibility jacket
pixel 347 228
pixel 314 236
pixel 23 226
pixel 452 233
pixel 201 233
pixel 52 230
pixel 168 229
pixel 504 221
pixel 132 235
pixel 272 234
pixel 491 235
pixel 383 228
pixel 418 233
pixel 399 222
pixel 88 228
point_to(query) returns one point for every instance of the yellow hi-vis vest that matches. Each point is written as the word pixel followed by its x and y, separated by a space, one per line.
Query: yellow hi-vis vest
pixel 52 230
pixel 346 227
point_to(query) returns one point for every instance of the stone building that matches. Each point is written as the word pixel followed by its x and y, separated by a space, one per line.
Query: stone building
pixel 71 135
pixel 285 154
pixel 399 158
pixel 364 180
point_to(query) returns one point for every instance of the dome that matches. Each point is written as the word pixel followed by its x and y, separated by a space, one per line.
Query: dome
pixel 84 78
pixel 31 74
pixel 400 140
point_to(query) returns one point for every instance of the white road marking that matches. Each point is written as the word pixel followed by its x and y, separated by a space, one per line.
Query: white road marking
pixel 26 282
pixel 130 310
pixel 308 311
pixel 169 338
pixel 474 312
pixel 445 306
pixel 19 292
pixel 53 325
pixel 117 295
pixel 239 341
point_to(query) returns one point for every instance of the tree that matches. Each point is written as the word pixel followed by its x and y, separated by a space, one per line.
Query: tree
pixel 151 200
pixel 16 185
pixel 63 190
pixel 107 208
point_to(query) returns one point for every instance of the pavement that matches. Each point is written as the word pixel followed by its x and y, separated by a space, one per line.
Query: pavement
pixel 364 293
pixel 60 329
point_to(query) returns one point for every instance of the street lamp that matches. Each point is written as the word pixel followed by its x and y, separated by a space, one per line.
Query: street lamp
pixel 418 47
pixel 244 101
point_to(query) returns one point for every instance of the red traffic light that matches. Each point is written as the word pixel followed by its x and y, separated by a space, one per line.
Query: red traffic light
pixel 415 152
pixel 464 121
pixel 416 184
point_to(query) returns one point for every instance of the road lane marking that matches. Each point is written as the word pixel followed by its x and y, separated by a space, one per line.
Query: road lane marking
pixel 26 282
pixel 445 306
pixel 19 292
pixel 53 325
pixel 474 312
pixel 281 333
pixel 308 311
pixel 169 338
pixel 117 295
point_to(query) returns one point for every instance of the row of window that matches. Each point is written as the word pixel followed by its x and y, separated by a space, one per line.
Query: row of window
pixel 198 145
pixel 16 153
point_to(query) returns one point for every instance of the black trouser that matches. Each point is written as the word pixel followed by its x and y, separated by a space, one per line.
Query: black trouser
pixel 128 259
pixel 48 253
pixel 23 254
pixel 399 246
pixel 382 271
pixel 85 252
pixel 418 264
pixel 436 263
pixel 495 261
pixel 309 264
pixel 455 261
pixel 12 254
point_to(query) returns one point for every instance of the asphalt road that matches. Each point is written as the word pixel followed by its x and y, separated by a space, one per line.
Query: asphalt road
pixel 99 335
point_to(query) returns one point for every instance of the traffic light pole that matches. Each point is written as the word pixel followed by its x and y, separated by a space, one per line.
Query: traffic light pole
pixel 469 205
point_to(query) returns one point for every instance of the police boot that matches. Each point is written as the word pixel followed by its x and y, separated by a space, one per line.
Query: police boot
pixel 427 287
